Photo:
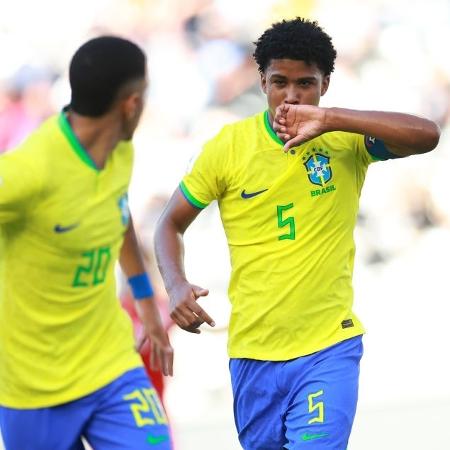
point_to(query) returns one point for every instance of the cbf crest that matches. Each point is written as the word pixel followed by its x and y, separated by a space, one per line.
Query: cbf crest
pixel 124 210
pixel 318 168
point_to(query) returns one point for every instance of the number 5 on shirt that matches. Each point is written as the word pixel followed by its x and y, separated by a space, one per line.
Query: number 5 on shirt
pixel 287 221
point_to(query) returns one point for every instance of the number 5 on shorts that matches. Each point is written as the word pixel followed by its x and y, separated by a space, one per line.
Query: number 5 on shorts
pixel 312 407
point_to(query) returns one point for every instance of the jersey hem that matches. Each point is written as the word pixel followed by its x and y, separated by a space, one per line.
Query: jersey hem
pixel 74 395
pixel 293 355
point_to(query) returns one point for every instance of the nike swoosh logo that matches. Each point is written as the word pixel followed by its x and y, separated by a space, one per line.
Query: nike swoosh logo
pixel 310 437
pixel 251 194
pixel 60 229
pixel 153 440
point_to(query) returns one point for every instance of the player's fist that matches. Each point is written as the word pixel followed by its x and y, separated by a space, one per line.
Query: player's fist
pixel 184 309
pixel 296 124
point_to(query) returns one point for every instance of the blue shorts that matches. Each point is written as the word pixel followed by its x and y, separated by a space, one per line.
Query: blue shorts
pixel 304 403
pixel 124 415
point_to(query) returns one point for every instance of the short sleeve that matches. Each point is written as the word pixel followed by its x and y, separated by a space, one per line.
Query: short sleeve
pixel 207 175
pixel 363 156
pixel 19 184
pixel 362 159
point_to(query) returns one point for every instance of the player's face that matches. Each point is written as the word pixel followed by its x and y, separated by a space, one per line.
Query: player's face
pixel 134 106
pixel 294 82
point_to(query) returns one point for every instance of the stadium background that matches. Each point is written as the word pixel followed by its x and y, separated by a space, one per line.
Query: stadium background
pixel 393 55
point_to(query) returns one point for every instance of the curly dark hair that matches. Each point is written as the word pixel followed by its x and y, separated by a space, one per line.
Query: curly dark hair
pixel 297 39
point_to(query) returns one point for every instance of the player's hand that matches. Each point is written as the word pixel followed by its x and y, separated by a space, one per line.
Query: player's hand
pixel 184 309
pixel 161 352
pixel 296 124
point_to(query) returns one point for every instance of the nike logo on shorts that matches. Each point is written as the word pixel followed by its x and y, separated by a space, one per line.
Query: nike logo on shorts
pixel 153 440
pixel 311 436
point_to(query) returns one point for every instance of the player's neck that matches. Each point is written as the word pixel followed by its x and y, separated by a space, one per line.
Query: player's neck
pixel 98 136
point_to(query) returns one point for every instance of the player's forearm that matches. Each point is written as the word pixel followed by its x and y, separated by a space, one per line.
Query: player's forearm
pixel 130 258
pixel 169 252
pixel 132 264
pixel 148 314
pixel 403 134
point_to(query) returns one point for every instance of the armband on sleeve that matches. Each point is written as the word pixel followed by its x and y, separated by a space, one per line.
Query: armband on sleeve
pixel 378 150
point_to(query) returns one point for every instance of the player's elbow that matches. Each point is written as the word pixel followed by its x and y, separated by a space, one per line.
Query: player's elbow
pixel 161 226
pixel 432 134
pixel 165 225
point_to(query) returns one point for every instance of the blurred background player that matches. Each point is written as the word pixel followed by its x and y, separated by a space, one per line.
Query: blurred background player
pixel 68 367
pixel 289 214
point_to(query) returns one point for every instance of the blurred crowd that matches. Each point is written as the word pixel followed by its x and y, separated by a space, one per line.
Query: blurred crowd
pixel 392 55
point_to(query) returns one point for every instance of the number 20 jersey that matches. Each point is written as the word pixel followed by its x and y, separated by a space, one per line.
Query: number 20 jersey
pixel 289 220
pixel 63 333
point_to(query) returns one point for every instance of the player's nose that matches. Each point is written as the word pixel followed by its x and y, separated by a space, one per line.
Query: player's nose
pixel 292 96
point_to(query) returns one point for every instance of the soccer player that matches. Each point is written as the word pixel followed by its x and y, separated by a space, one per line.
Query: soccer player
pixel 68 367
pixel 294 342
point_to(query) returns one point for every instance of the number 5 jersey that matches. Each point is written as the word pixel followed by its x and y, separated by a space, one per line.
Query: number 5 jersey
pixel 289 220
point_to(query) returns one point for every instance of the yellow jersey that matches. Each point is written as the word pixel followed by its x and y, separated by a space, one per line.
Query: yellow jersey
pixel 63 333
pixel 289 220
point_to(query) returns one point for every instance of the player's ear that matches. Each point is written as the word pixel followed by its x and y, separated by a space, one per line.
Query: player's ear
pixel 131 105
pixel 264 83
pixel 325 84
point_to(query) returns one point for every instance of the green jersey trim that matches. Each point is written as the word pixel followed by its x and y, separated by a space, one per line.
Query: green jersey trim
pixel 190 198
pixel 269 129
pixel 74 142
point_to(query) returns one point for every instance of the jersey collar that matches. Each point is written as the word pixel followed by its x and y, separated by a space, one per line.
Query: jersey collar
pixel 73 140
pixel 270 130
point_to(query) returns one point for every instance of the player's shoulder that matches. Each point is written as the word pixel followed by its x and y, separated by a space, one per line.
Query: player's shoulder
pixel 31 160
pixel 238 132
pixel 122 156
pixel 36 143
pixel 343 144
pixel 125 149
pixel 340 139
pixel 243 126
